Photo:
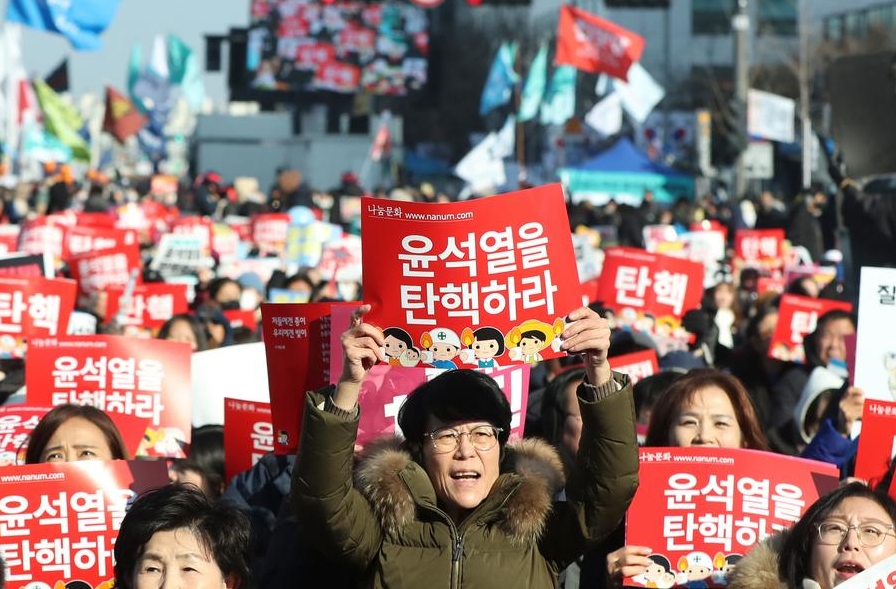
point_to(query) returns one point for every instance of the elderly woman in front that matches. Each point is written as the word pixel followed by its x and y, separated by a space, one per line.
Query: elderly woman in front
pixel 455 505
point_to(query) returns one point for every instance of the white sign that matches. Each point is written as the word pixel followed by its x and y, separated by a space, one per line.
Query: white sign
pixel 875 369
pixel 879 575
pixel 770 116
pixel 759 160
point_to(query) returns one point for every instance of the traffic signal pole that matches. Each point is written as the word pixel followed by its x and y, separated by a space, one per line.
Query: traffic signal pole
pixel 740 23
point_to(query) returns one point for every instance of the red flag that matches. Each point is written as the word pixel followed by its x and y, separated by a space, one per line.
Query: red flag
pixel 593 44
pixel 122 119
pixel 382 143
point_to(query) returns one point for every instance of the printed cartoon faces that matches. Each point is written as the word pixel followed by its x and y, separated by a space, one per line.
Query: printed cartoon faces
pixel 527 340
pixel 695 570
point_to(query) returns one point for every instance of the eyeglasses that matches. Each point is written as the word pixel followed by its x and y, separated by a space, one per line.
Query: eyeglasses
pixel 482 437
pixel 833 533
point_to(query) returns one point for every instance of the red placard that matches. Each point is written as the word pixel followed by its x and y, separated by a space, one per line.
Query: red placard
pixel 241 318
pixel 297 350
pixel 16 423
pixel 82 239
pixel 83 219
pixel 713 503
pixel 43 234
pixel 386 387
pixel 147 378
pixel 248 434
pixel 877 444
pixel 770 284
pixel 435 271
pixel 636 365
pixel 759 248
pixel 269 232
pixel 151 304
pixel 201 226
pixel 647 283
pixel 60 520
pixel 22 265
pixel 34 307
pixel 710 225
pixel 109 268
pixel 9 238
pixel 797 317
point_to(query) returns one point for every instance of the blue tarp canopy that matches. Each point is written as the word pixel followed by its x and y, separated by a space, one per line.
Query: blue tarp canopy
pixel 623 172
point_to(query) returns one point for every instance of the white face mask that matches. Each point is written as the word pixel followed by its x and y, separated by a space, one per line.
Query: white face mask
pixel 249 299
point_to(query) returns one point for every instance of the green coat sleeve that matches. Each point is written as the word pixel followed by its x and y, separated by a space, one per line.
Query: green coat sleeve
pixel 336 517
pixel 601 487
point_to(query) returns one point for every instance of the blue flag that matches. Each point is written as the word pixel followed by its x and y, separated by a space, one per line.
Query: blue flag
pixel 533 91
pixel 501 78
pixel 81 22
pixel 560 101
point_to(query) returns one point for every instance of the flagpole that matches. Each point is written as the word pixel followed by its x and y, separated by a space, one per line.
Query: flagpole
pixel 520 132
pixel 95 147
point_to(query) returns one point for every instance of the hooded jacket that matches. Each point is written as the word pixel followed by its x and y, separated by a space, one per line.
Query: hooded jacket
pixel 388 525
pixel 758 569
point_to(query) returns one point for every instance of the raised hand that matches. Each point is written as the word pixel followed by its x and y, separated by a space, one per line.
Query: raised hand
pixel 588 333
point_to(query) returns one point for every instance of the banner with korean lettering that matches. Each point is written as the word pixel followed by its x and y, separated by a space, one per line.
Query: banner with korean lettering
pixel 880 575
pixel 148 378
pixel 636 365
pixel 875 368
pixel 150 305
pixel 9 238
pixel 97 271
pixel 43 234
pixel 201 227
pixel 59 521
pixel 759 248
pixel 82 239
pixel 797 317
pixel 269 232
pixel 445 276
pixel 16 423
pixel 877 444
pixel 25 265
pixel 248 434
pixel 179 255
pixel 715 504
pixel 297 348
pixel 385 388
pixel 648 284
pixel 33 307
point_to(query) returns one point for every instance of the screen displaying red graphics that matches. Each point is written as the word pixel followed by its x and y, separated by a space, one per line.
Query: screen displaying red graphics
pixel 480 283
pixel 248 434
pixel 346 47
pixel 59 521
pixel 700 509
pixel 146 378
pixel 797 317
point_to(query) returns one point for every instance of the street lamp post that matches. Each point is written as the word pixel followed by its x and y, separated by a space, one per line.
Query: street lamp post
pixel 741 25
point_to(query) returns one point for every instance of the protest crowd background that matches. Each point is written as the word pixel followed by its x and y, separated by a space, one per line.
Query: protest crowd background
pixel 180 316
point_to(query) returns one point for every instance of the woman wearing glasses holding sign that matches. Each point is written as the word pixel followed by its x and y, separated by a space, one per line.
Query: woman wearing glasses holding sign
pixel 843 533
pixel 454 504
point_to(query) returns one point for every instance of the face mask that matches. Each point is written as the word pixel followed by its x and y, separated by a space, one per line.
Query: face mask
pixel 249 300
pixel 230 306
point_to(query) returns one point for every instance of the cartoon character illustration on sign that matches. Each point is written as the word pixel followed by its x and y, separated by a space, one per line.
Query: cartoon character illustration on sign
pixel 890 367
pixel 410 357
pixel 441 345
pixel 485 344
pixel 528 339
pixel 164 441
pixel 724 564
pixel 694 569
pixel 659 574
pixel 395 342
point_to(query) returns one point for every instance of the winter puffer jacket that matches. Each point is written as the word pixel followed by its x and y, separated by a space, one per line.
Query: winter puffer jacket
pixel 389 525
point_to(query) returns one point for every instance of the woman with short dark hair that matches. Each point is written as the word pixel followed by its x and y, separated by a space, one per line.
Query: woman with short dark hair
pixel 69 433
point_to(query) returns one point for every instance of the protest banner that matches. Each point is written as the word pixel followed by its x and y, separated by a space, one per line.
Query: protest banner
pixel 340 259
pixel 305 243
pixel 636 365
pixel 285 295
pixel 269 232
pixel 9 238
pixel 797 316
pixel 60 520
pixel 386 387
pixel 758 248
pixel 505 263
pixel 226 243
pixel 147 378
pixel 881 575
pixel 236 372
pixel 199 227
pixel 877 444
pixel 26 265
pixel 179 255
pixel 875 359
pixel 16 423
pixel 241 318
pixel 822 275
pixel 82 239
pixel 98 271
pixel 43 234
pixel 297 349
pixel 248 434
pixel 34 307
pixel 150 305
pixel 700 508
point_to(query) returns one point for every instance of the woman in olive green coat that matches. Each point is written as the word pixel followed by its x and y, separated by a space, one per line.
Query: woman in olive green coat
pixel 454 505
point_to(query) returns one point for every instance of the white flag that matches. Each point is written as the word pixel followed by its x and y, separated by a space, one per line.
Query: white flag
pixel 640 94
pixel 606 116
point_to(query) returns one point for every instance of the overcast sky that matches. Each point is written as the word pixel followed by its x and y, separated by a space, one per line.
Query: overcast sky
pixel 137 21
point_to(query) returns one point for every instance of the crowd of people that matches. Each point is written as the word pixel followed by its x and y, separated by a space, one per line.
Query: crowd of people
pixel 454 501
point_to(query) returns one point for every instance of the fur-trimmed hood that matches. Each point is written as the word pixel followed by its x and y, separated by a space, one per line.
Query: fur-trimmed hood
pixel 758 569
pixel 531 475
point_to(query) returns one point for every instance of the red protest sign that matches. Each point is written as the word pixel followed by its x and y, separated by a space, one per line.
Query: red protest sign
pixel 432 271
pixel 9 238
pixel 83 219
pixel 269 232
pixel 98 271
pixel 715 503
pixel 34 307
pixel 60 520
pixel 596 45
pixel 636 365
pixel 248 434
pixel 297 349
pixel 25 265
pixel 82 239
pixel 241 318
pixel 386 387
pixel 797 317
pixel 150 306
pixel 759 248
pixel 43 234
pixel 147 378
pixel 633 280
pixel 877 444
pixel 199 226
pixel 16 424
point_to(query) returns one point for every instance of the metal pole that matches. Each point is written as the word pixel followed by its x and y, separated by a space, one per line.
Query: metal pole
pixel 741 25
pixel 805 94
